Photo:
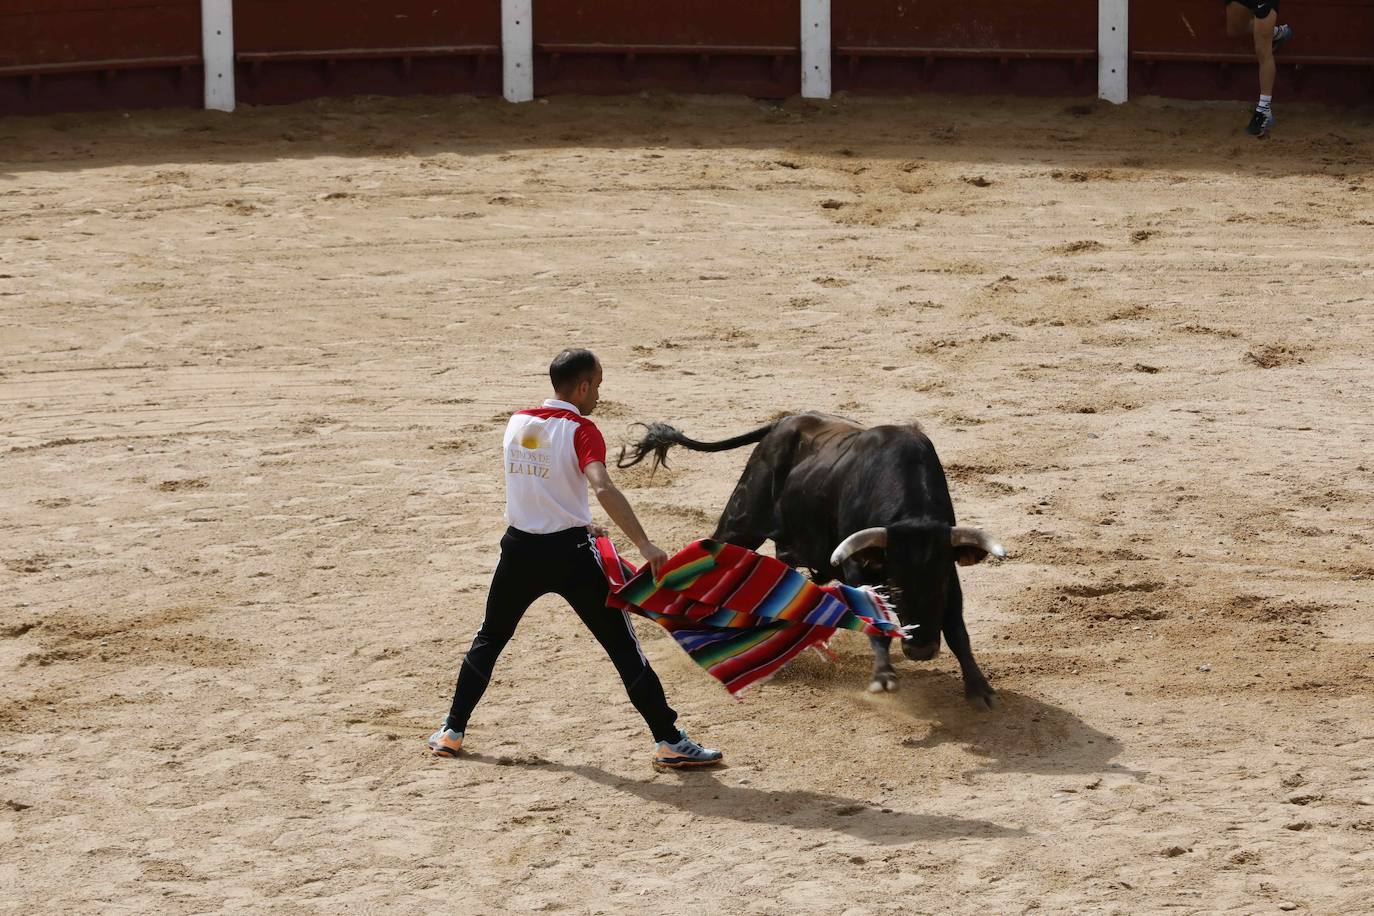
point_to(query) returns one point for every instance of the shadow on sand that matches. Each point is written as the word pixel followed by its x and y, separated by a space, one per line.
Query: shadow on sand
pixel 1021 734
pixel 705 793
pixel 943 128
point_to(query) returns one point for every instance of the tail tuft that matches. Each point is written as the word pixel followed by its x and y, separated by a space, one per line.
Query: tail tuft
pixel 657 439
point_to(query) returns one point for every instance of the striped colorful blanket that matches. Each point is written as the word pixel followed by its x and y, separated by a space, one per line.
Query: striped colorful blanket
pixel 740 615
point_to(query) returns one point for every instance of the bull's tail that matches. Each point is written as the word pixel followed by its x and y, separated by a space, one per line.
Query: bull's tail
pixel 659 437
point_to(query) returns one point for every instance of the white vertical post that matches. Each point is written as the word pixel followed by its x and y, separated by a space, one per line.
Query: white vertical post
pixel 517 50
pixel 815 49
pixel 1111 49
pixel 217 52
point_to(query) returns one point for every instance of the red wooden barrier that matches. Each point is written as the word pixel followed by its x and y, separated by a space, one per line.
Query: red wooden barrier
pixel 903 46
pixel 1179 48
pixel 60 55
pixel 613 46
pixel 84 55
pixel 288 50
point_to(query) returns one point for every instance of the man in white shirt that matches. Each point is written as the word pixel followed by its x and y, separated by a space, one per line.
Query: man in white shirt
pixel 551 454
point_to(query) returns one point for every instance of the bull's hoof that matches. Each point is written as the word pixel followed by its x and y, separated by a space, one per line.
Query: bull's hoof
pixel 883 681
pixel 981 693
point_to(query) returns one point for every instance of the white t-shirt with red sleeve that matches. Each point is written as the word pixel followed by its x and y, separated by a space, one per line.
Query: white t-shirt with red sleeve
pixel 546 452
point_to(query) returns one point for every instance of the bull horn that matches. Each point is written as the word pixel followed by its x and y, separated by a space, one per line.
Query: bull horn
pixel 859 540
pixel 976 537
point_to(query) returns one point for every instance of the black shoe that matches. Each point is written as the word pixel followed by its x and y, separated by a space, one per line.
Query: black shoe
pixel 1260 122
pixel 1281 36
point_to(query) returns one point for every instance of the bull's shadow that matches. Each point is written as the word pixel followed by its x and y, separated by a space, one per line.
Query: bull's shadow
pixel 710 794
pixel 1022 734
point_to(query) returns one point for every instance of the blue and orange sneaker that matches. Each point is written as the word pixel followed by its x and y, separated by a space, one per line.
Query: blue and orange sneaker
pixel 685 753
pixel 1281 36
pixel 446 742
pixel 1260 122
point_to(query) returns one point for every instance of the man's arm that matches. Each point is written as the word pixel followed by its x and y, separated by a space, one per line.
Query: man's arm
pixel 618 508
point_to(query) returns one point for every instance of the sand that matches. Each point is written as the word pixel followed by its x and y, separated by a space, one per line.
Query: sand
pixel 254 370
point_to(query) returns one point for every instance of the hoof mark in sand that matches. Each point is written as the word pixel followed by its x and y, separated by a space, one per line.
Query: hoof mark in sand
pixel 1272 356
pixel 1079 247
pixel 190 483
pixel 34 564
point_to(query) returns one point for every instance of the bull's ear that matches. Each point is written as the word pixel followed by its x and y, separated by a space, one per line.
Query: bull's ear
pixel 974 545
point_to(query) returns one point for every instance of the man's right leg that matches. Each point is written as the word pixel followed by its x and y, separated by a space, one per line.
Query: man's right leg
pixel 515 585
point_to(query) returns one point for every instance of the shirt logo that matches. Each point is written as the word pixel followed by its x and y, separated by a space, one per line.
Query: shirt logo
pixel 528 457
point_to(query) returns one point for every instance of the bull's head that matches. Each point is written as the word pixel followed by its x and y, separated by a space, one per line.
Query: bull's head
pixel 915 560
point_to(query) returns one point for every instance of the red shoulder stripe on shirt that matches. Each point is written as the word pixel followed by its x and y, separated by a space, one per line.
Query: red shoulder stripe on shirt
pixel 588 442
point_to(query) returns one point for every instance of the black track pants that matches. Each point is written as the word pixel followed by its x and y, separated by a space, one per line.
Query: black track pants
pixel 534 565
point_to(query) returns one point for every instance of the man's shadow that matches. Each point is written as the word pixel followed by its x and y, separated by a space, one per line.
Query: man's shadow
pixel 706 793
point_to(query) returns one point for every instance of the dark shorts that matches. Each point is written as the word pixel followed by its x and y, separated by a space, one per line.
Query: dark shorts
pixel 1261 8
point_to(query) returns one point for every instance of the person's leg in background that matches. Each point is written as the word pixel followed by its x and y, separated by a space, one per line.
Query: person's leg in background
pixel 1239 19
pixel 1263 33
pixel 1259 22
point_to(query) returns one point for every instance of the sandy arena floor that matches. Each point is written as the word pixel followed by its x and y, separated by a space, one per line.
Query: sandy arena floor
pixel 253 375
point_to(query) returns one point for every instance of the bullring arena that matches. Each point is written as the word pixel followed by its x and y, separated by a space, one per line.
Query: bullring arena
pixel 255 373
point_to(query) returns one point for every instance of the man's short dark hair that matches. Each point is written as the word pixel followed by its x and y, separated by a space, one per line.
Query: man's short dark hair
pixel 570 367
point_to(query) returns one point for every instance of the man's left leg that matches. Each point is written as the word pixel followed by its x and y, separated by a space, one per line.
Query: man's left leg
pixel 586 592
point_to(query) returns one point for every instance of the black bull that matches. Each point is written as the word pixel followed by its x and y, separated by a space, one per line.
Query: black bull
pixel 866 506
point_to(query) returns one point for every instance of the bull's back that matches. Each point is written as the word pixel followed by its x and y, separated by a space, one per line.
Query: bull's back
pixel 880 475
pixel 815 432
pixel 844 477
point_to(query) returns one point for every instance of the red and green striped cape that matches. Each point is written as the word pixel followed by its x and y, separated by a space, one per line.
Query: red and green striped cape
pixel 740 615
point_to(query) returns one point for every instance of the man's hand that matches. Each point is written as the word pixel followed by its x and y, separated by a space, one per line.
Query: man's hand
pixel 596 531
pixel 654 557
pixel 618 508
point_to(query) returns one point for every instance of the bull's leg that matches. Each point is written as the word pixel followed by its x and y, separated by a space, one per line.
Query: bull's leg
pixel 884 678
pixel 737 526
pixel 748 519
pixel 741 537
pixel 976 686
pixel 751 514
pixel 785 553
